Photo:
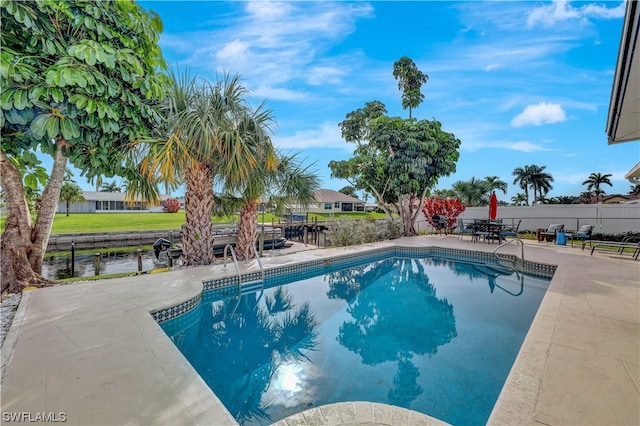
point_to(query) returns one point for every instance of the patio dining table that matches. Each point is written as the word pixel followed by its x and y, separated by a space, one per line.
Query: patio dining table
pixel 489 229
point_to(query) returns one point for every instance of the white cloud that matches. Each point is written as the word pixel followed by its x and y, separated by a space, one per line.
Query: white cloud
pixel 325 74
pixel 491 67
pixel 326 136
pixel 278 93
pixel 235 51
pixel 559 11
pixel 542 113
pixel 525 146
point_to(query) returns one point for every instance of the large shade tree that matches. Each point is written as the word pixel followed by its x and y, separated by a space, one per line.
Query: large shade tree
pixel 79 81
pixel 397 159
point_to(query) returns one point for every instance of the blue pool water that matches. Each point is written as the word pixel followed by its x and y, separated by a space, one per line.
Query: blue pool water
pixel 436 336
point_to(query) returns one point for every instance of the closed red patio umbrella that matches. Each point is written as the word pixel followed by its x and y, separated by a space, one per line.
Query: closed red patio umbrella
pixel 493 206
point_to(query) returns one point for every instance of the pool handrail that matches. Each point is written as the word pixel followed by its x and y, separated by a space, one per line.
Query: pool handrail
pixel 517 241
pixel 235 262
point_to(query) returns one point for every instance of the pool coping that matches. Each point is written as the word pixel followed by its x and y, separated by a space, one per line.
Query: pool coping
pixel 69 330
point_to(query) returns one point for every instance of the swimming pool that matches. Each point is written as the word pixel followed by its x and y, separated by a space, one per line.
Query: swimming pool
pixel 434 335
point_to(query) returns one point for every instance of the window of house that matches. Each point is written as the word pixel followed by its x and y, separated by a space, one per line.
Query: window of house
pixel 359 207
pixel 336 205
pixel 327 206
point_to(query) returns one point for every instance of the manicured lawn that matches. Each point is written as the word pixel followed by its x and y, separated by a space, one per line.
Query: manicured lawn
pixel 82 223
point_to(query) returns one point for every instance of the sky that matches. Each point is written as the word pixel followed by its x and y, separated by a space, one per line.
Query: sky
pixel 519 83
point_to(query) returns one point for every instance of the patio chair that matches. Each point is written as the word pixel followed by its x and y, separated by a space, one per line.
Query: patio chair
pixel 550 233
pixel 462 230
pixel 439 223
pixel 583 234
pixel 510 232
pixel 620 246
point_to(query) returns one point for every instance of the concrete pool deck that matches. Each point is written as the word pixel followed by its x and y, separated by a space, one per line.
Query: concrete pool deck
pixel 92 351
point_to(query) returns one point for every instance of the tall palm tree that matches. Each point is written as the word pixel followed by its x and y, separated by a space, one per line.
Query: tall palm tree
pixel 289 182
pixel 634 190
pixel 71 193
pixel 595 180
pixel 540 181
pixel 523 179
pixel 202 136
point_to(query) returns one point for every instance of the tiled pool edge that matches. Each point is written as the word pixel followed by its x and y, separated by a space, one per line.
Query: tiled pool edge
pixel 345 260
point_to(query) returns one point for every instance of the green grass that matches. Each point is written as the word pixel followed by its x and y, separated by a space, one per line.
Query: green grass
pixel 82 223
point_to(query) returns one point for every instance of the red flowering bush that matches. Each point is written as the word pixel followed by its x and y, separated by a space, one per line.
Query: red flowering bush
pixel 170 205
pixel 449 208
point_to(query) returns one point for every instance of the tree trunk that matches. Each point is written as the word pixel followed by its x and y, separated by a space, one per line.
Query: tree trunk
pixel 47 211
pixel 21 242
pixel 247 231
pixel 197 236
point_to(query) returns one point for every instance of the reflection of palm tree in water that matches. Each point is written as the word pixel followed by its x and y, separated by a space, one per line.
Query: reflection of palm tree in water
pixel 382 331
pixel 246 343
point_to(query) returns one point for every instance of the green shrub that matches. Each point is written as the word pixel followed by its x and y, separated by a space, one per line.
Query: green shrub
pixel 345 232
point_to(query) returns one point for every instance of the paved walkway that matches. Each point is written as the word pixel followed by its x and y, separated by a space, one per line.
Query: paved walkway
pixel 92 351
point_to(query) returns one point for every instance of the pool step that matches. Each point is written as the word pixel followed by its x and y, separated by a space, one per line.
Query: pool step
pixel 249 287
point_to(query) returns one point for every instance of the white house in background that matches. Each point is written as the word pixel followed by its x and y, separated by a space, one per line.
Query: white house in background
pixel 104 202
pixel 623 121
pixel 329 201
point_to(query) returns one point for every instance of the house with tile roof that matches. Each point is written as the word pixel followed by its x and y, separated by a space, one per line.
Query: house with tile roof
pixel 330 201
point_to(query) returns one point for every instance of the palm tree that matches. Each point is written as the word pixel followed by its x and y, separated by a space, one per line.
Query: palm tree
pixel 519 199
pixel 204 134
pixel 540 182
pixel 494 183
pixel 523 179
pixel 595 180
pixel 110 187
pixel 634 190
pixel 71 193
pixel 289 182
pixel 472 192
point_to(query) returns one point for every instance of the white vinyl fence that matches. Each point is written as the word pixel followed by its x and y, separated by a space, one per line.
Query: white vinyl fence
pixel 607 218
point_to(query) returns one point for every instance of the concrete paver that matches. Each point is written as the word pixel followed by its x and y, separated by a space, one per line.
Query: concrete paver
pixel 93 351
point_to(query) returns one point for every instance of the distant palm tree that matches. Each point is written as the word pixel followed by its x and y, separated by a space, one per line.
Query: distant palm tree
pixel 523 179
pixel 494 183
pixel 71 193
pixel 110 187
pixel 540 182
pixel 595 180
pixel 635 190
pixel 544 200
pixel 519 199
pixel 566 199
pixel 472 192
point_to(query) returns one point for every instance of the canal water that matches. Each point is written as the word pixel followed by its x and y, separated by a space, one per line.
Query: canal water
pixel 59 267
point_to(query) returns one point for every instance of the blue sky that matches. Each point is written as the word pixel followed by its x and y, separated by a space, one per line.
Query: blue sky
pixel 518 83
